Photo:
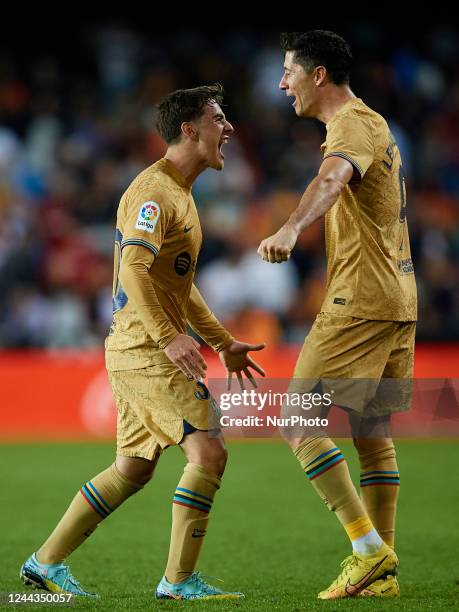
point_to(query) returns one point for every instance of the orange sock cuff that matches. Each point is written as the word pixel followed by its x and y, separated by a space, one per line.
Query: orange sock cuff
pixel 358 528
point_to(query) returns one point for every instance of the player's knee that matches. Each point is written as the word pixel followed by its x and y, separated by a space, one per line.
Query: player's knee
pixel 377 448
pixel 213 458
pixel 220 462
pixel 296 441
pixel 292 442
pixel 308 444
pixel 293 428
pixel 137 469
pixel 217 459
pixel 208 452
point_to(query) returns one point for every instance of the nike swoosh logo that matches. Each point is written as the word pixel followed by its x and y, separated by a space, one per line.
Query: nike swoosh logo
pixel 353 589
pixel 187 229
pixel 198 535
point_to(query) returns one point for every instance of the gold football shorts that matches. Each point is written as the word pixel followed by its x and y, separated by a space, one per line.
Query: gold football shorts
pixel 367 365
pixel 156 406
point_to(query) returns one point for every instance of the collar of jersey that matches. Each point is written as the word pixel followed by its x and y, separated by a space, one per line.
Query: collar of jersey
pixel 353 102
pixel 168 168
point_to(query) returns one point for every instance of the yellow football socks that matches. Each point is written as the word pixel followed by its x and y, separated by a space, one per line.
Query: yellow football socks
pixel 94 501
pixel 191 505
pixel 379 484
pixel 358 528
pixel 328 472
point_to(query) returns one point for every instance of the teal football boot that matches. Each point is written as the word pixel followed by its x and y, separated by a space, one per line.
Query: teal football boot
pixel 194 587
pixel 55 578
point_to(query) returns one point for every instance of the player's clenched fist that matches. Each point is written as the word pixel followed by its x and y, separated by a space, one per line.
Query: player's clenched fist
pixel 277 248
pixel 183 350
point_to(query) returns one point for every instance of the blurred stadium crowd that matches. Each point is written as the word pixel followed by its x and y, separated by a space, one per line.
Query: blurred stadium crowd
pixel 77 125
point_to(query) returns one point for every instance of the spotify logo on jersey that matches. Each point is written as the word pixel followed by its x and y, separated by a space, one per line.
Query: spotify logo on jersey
pixel 182 263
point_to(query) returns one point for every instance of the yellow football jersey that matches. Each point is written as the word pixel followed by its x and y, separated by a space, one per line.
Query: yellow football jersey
pixel 370 274
pixel 156 212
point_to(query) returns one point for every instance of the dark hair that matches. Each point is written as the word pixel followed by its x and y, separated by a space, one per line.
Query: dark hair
pixel 320 48
pixel 185 105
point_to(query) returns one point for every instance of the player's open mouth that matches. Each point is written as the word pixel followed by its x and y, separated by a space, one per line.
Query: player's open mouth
pixel 223 141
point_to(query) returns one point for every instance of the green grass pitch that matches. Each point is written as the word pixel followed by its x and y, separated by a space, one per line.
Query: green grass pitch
pixel 269 535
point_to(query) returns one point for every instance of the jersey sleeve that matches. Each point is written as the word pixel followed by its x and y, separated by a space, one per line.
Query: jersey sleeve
pixel 205 323
pixel 350 137
pixel 148 214
pixel 137 284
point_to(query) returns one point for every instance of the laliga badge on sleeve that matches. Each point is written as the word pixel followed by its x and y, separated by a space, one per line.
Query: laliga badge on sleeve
pixel 148 217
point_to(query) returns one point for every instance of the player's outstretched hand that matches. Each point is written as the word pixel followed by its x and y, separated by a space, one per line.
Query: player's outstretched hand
pixel 183 350
pixel 236 360
pixel 277 248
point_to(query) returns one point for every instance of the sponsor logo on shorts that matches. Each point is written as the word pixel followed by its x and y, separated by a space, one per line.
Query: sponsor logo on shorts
pixel 340 301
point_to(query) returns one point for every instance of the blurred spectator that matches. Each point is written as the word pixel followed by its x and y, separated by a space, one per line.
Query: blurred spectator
pixel 77 125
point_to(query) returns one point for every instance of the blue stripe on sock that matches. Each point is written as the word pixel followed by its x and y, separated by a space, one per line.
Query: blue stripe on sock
pixel 378 472
pixel 325 465
pixel 190 502
pixel 98 495
pixel 93 501
pixel 379 480
pixel 322 455
pixel 195 494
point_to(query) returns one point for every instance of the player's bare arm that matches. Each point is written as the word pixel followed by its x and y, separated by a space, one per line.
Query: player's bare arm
pixel 320 195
